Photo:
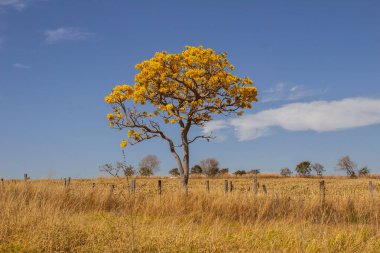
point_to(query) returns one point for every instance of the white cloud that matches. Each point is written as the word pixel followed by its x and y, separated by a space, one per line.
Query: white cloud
pixel 17 4
pixel 21 66
pixel 65 33
pixel 286 91
pixel 319 116
pixel 215 128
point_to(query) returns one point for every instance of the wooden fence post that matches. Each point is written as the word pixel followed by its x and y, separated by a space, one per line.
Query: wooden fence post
pixel 112 188
pixel 371 190
pixel 322 191
pixel 69 181
pixel 65 182
pixel 231 186
pixel 255 184
pixel 208 186
pixel 159 187
pixel 25 176
pixel 374 205
pixel 264 189
pixel 133 185
pixel 225 186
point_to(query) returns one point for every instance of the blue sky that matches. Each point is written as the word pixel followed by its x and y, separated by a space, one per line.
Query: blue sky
pixel 316 65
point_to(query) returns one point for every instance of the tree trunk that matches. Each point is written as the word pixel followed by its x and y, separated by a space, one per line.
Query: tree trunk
pixel 183 165
pixel 185 176
pixel 184 181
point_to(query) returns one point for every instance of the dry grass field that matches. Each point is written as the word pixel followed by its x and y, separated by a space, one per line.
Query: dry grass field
pixel 87 216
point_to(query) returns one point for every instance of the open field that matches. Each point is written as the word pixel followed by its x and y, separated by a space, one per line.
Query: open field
pixel 87 216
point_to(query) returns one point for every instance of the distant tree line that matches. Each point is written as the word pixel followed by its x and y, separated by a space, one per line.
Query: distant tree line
pixel 305 168
pixel 149 165
pixel 209 167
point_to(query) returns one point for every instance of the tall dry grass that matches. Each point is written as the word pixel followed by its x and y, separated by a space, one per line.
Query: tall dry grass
pixel 44 216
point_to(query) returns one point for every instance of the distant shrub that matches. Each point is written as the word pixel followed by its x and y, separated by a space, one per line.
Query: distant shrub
pixel 121 167
pixel 318 168
pixel 196 169
pixel 240 172
pixel 303 168
pixel 364 171
pixel 345 163
pixel 255 172
pixel 174 172
pixel 286 172
pixel 128 170
pixel 212 172
pixel 144 171
pixel 210 167
pixel 148 165
pixel 223 171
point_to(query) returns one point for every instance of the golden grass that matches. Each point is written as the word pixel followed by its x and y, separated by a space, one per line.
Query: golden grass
pixel 44 216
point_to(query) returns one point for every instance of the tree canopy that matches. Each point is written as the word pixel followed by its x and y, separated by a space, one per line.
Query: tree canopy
pixel 187 89
pixel 346 164
pixel 303 168
pixel 148 165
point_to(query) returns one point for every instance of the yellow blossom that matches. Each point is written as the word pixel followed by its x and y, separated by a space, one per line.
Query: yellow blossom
pixel 110 116
pixel 191 86
pixel 123 143
pixel 130 133
pixel 169 107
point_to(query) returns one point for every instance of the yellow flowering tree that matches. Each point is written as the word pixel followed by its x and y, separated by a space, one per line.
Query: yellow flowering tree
pixel 187 89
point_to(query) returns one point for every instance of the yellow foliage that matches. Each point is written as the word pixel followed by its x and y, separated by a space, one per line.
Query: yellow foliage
pixel 110 116
pixel 123 143
pixel 191 85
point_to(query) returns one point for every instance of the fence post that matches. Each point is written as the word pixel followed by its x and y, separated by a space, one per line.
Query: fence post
pixel 133 185
pixel 264 189
pixel 231 186
pixel 208 186
pixel 371 190
pixel 25 176
pixel 159 187
pixel 225 186
pixel 65 182
pixel 374 205
pixel 112 188
pixel 69 181
pixel 322 191
pixel 255 184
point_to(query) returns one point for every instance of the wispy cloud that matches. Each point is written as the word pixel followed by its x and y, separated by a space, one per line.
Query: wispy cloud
pixel 64 34
pixel 319 116
pixel 284 91
pixel 20 66
pixel 216 128
pixel 17 4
